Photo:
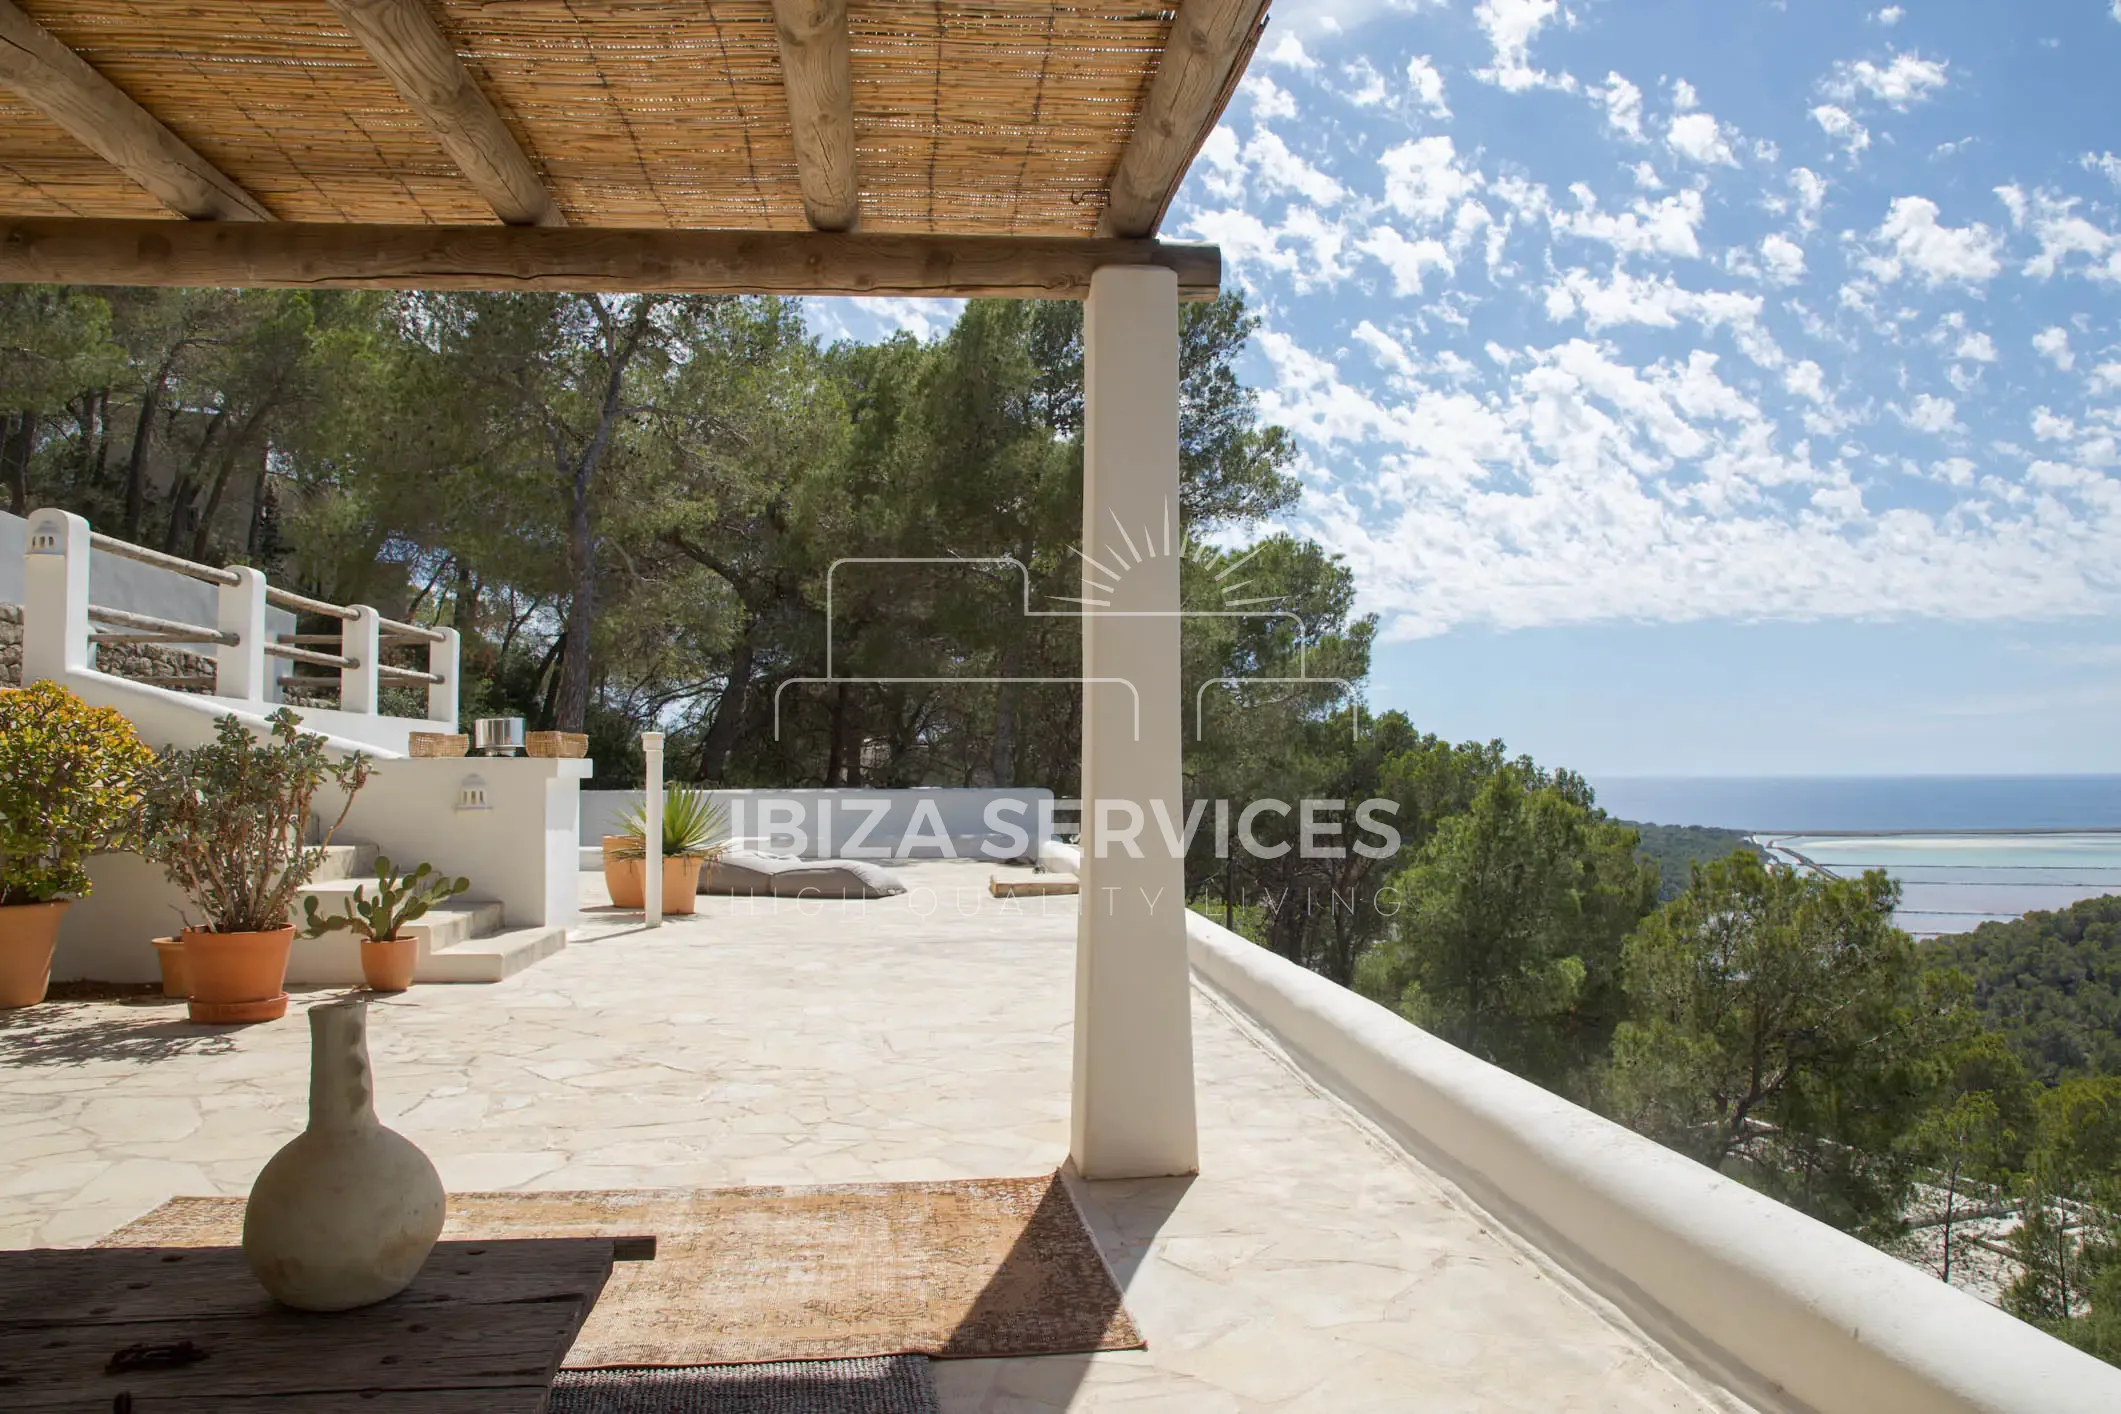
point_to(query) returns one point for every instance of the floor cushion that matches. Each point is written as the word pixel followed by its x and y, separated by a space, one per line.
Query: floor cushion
pixel 751 871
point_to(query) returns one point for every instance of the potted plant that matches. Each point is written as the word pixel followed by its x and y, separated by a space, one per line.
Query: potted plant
pixel 695 832
pixel 225 821
pixel 70 783
pixel 388 953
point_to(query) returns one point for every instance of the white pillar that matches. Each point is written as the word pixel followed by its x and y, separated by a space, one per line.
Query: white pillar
pixel 1133 1102
pixel 652 859
pixel 361 639
pixel 240 667
pixel 54 597
pixel 442 660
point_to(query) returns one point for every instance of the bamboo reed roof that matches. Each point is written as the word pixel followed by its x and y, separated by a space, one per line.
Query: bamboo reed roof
pixel 1002 117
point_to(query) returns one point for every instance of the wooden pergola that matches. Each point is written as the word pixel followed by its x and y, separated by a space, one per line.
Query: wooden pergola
pixel 952 147
pixel 834 147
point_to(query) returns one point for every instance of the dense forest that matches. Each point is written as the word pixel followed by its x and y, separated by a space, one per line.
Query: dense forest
pixel 2051 984
pixel 1676 849
pixel 632 509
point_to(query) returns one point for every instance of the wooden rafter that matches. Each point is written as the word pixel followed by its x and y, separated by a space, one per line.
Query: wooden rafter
pixel 817 73
pixel 1210 42
pixel 47 250
pixel 422 64
pixel 62 86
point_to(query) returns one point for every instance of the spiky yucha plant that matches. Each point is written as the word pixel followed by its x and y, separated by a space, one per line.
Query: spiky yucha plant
pixel 400 899
pixel 694 827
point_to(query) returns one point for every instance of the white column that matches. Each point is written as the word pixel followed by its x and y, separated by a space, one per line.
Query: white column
pixel 1133 1101
pixel 361 639
pixel 652 860
pixel 240 667
pixel 54 597
pixel 442 659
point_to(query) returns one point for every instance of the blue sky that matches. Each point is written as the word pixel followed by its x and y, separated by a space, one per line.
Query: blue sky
pixel 1702 386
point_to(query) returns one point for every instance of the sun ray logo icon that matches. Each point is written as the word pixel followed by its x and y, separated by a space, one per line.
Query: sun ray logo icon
pixel 1119 558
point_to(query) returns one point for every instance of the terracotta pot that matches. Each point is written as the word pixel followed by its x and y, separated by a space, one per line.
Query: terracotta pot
pixel 28 933
pixel 387 966
pixel 345 1214
pixel 237 976
pixel 169 954
pixel 623 878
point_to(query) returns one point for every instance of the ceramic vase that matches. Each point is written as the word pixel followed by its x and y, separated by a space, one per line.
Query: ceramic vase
pixel 345 1214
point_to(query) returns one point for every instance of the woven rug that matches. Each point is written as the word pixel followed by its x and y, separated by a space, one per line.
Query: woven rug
pixel 887 1384
pixel 967 1268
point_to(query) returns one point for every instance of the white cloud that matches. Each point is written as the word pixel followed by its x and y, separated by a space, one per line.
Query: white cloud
pixel 1290 54
pixel 1646 177
pixel 1811 195
pixel 1699 138
pixel 1665 227
pixel 1366 86
pixel 1839 126
pixel 2052 343
pixel 1980 348
pixel 1280 170
pixel 2104 163
pixel 1932 414
pixel 1683 96
pixel 2106 378
pixel 1511 26
pixel 1659 303
pixel 1426 86
pixel 1891 14
pixel 1907 80
pixel 1622 102
pixel 1916 244
pixel 1784 259
pixel 1408 260
pixel 1391 355
pixel 2062 234
pixel 1269 99
pixel 1424 180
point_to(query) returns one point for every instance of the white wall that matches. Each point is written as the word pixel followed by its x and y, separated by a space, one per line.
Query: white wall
pixel 818 824
pixel 1781 1308
pixel 520 852
pixel 519 849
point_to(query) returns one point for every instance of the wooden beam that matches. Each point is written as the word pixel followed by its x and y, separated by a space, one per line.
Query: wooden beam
pixel 61 85
pixel 422 64
pixel 1205 56
pixel 818 76
pixel 48 250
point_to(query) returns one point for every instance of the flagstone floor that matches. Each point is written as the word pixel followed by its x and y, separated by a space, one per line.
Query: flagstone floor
pixel 1312 1266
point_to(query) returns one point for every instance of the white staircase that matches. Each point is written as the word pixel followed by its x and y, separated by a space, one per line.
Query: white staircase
pixel 461 940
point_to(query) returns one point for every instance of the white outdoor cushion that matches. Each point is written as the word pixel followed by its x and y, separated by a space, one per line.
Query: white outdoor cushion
pixel 750 871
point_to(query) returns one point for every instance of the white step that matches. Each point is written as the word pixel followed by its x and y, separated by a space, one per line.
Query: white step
pixel 462 940
pixel 492 958
pixel 344 861
pixel 445 925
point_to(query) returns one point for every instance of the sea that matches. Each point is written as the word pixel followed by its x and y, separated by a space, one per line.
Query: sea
pixel 1966 849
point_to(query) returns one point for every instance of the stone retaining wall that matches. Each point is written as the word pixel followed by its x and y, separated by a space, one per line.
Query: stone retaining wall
pixel 160 664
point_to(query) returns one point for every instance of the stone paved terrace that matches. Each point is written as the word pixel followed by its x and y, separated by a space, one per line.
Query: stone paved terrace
pixel 1311 1266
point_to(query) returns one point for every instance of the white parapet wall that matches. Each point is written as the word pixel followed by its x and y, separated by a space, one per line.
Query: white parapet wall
pixel 1782 1309
pixel 854 823
pixel 508 825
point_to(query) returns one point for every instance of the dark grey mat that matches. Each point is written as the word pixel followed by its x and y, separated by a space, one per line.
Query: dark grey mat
pixel 870 1384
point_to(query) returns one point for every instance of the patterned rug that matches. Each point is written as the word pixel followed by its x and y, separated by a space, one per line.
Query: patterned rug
pixel 962 1269
pixel 889 1384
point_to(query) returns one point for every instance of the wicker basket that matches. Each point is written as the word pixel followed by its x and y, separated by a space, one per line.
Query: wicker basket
pixel 564 746
pixel 427 745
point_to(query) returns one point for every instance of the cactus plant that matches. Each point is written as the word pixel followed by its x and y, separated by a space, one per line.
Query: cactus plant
pixel 399 900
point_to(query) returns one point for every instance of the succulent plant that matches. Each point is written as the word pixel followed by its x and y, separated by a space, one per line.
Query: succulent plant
pixel 399 900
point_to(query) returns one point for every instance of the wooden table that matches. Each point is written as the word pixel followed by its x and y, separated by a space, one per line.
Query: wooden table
pixel 188 1330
